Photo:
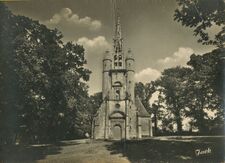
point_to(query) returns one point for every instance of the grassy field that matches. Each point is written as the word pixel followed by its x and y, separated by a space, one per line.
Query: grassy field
pixel 158 149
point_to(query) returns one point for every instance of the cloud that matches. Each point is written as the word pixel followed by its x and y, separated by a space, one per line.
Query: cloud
pixel 94 50
pixel 147 75
pixel 95 44
pixel 66 17
pixel 179 58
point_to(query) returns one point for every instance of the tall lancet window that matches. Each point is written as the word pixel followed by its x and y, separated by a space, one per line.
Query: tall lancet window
pixel 117 88
pixel 120 57
pixel 118 60
pixel 115 61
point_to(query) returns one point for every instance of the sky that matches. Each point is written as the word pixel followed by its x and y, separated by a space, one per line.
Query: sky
pixel 148 29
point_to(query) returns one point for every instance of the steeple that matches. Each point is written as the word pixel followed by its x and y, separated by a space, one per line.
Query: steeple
pixel 118 40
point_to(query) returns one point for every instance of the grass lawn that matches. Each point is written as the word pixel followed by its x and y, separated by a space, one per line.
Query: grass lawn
pixel 157 149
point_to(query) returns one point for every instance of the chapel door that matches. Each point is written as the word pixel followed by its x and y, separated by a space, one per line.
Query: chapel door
pixel 117 132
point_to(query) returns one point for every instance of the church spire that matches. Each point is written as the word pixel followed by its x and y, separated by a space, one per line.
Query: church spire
pixel 118 40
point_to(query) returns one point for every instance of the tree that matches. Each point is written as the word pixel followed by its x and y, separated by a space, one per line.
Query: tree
pixel 206 81
pixel 173 85
pixel 203 15
pixel 157 107
pixel 43 87
pixel 95 102
pixel 205 90
pixel 10 94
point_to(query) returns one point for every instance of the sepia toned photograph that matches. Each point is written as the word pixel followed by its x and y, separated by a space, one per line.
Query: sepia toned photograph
pixel 112 81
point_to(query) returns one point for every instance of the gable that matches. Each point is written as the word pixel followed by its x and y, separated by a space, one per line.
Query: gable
pixel 142 112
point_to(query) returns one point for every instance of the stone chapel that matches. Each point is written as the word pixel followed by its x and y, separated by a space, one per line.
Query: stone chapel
pixel 121 115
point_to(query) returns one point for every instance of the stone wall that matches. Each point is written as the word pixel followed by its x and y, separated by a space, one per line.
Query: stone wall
pixel 145 126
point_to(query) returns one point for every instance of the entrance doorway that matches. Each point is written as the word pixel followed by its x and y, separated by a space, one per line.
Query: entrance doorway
pixel 117 132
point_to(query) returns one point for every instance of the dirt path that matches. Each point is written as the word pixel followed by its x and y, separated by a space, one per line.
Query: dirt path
pixel 84 151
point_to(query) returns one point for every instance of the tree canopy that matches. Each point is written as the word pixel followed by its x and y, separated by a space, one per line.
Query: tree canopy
pixel 188 97
pixel 43 89
pixel 202 15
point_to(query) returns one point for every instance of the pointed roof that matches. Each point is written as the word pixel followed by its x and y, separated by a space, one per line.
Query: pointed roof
pixel 130 55
pixel 142 112
pixel 107 55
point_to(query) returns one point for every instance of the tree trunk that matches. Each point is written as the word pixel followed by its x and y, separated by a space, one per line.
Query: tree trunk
pixel 201 124
pixel 201 120
pixel 178 121
pixel 177 116
pixel 155 122
pixel 179 125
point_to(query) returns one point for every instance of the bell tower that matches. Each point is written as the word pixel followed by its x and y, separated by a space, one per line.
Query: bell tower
pixel 121 115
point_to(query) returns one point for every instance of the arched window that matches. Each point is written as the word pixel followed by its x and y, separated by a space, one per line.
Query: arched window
pixel 117 94
pixel 120 57
pixel 115 57
pixel 120 63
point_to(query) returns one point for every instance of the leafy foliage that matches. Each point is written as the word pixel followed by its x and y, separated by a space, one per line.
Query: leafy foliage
pixel 42 91
pixel 173 85
pixel 203 15
pixel 205 84
pixel 195 93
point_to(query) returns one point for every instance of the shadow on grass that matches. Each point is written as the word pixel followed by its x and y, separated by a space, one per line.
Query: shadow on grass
pixel 26 154
pixel 31 153
pixel 156 150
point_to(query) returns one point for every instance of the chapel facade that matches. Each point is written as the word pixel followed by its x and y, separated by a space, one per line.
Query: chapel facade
pixel 121 115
